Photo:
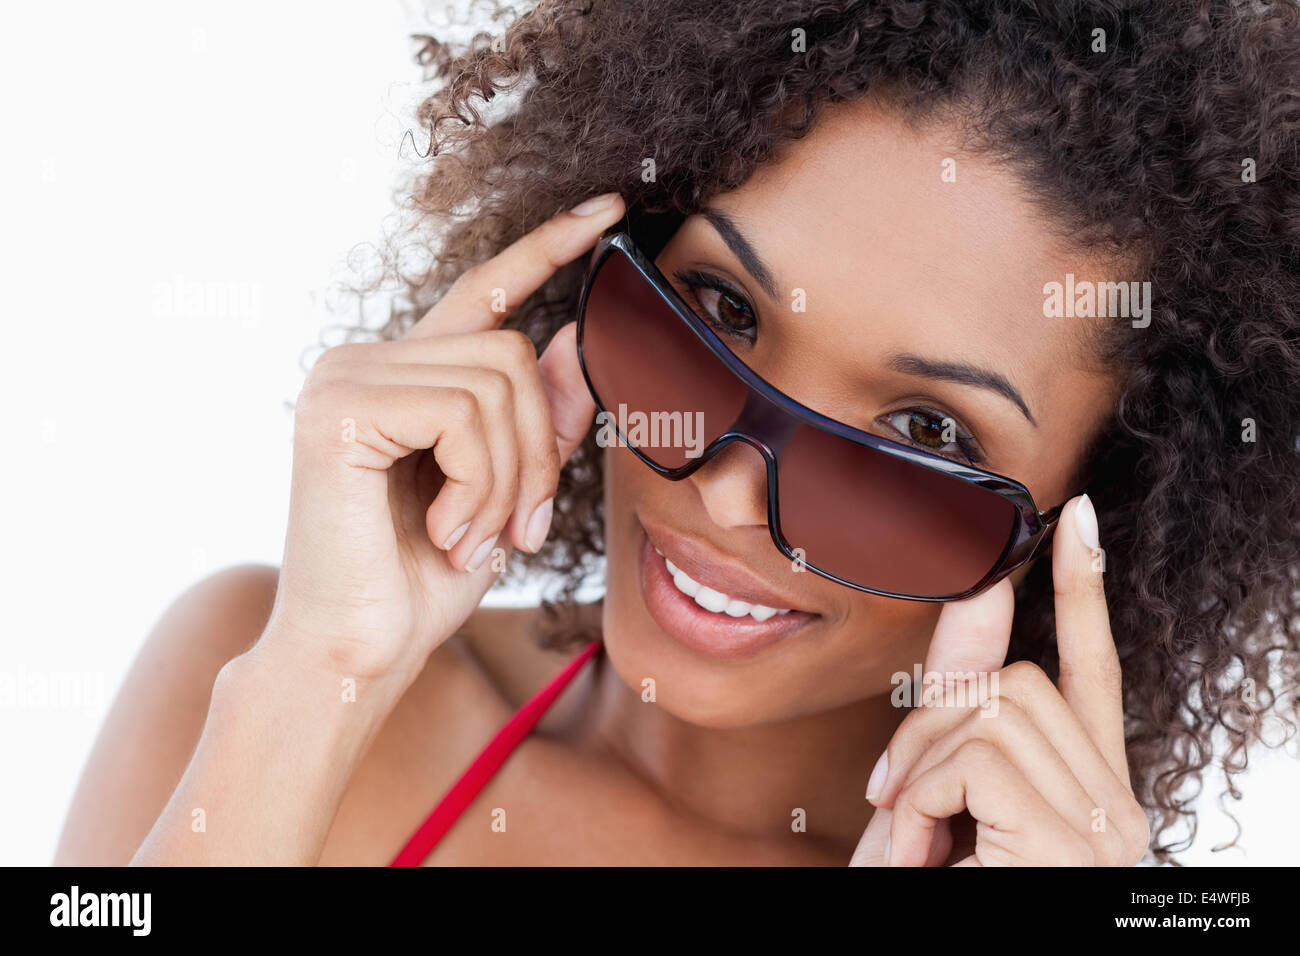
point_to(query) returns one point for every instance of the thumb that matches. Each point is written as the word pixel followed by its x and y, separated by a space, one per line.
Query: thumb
pixel 875 840
pixel 973 635
pixel 572 407
pixel 873 848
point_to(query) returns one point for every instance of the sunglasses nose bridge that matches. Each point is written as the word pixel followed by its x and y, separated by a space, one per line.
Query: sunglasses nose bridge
pixel 731 437
pixel 763 426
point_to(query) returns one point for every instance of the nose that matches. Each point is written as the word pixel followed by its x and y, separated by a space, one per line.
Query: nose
pixel 733 486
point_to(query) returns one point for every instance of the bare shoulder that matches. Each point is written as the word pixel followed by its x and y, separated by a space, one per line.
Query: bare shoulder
pixel 467 688
pixel 156 718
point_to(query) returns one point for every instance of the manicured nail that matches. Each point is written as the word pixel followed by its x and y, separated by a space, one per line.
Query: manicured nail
pixel 1085 521
pixel 455 536
pixel 885 859
pixel 538 525
pixel 480 554
pixel 594 204
pixel 878 775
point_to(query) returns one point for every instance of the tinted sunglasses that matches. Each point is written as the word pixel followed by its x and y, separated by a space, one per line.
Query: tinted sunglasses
pixel 869 513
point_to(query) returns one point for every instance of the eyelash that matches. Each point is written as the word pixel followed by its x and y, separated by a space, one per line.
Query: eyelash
pixel 964 440
pixel 693 279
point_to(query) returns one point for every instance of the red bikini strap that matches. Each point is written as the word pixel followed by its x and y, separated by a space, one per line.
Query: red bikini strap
pixel 488 762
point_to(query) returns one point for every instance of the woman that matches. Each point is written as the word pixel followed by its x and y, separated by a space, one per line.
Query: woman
pixel 914 220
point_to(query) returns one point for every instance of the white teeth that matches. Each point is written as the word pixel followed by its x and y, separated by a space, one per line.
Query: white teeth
pixel 716 601
pixel 738 608
pixel 682 580
pixel 711 600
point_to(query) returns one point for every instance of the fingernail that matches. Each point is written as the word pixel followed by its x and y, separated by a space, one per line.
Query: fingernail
pixel 878 774
pixel 1085 522
pixel 455 536
pixel 885 858
pixel 594 204
pixel 480 554
pixel 539 524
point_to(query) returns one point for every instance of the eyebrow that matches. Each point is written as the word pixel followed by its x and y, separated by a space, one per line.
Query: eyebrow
pixel 957 372
pixel 743 251
pixel 963 375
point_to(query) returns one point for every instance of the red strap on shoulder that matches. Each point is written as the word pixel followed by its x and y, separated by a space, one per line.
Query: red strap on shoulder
pixel 462 794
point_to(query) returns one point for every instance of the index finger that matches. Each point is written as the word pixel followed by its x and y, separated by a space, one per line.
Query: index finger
pixel 483 296
pixel 1090 669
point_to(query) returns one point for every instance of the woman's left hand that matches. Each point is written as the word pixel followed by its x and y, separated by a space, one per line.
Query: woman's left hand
pixel 1041 770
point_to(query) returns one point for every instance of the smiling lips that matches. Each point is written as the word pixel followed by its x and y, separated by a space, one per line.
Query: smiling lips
pixel 708 601
pixel 714 600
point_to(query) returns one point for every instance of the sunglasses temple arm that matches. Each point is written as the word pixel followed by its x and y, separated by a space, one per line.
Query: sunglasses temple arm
pixel 1051 516
pixel 1049 519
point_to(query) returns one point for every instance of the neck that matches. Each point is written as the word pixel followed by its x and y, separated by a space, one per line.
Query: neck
pixel 750 780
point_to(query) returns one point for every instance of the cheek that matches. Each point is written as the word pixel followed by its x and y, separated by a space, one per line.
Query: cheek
pixel 887 636
pixel 628 482
pixel 623 475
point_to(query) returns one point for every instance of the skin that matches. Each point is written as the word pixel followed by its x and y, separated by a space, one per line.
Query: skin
pixel 855 215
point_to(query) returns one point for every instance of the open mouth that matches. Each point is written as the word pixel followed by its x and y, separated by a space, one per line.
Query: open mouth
pixel 714 600
pixel 708 601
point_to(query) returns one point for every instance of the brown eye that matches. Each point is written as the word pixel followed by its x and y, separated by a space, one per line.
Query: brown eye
pixel 719 305
pixel 926 431
pixel 735 314
pixel 726 309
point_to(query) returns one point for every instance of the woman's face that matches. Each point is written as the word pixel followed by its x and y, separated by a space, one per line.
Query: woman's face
pixel 922 299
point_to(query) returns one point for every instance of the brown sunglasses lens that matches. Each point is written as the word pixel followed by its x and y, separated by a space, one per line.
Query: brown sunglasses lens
pixel 848 510
pixel 886 523
pixel 659 383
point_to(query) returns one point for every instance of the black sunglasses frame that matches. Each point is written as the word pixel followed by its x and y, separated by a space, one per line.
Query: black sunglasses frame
pixel 755 428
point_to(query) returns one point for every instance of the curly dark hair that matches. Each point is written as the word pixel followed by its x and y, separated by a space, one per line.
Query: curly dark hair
pixel 1145 148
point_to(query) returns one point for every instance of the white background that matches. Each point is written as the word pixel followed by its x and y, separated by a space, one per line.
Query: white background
pixel 181 186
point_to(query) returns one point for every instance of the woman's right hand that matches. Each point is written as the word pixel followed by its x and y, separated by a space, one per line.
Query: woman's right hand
pixel 415 459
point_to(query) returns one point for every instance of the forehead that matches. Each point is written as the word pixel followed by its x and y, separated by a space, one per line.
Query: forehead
pixel 901 241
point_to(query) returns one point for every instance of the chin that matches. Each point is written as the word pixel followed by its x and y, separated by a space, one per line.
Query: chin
pixel 684 687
